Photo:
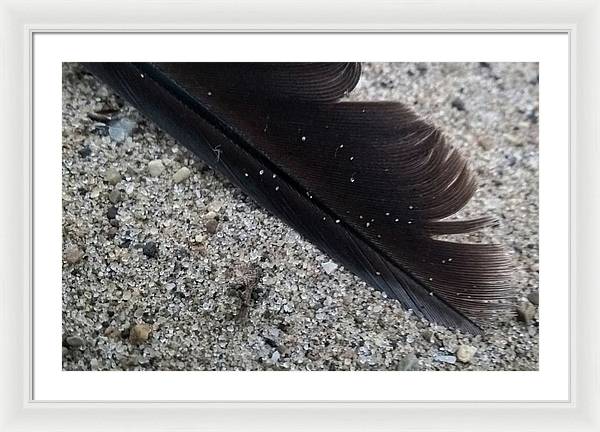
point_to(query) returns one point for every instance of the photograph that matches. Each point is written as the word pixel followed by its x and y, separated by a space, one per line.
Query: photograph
pixel 300 216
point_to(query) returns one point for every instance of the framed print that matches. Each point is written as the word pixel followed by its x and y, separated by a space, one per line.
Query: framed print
pixel 217 220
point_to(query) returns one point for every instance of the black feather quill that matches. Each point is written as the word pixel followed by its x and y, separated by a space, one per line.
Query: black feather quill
pixel 369 183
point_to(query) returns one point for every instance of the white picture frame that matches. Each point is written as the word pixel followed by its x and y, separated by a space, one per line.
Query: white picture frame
pixel 19 21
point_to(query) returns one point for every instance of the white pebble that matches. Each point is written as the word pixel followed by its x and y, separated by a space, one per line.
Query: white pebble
pixel 465 353
pixel 181 175
pixel 329 267
pixel 156 167
pixel 215 206
pixel 112 176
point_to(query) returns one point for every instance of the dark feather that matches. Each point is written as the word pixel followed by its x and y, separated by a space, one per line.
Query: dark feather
pixel 367 182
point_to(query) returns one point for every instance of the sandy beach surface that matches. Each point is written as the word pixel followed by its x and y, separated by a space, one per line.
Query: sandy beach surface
pixel 167 266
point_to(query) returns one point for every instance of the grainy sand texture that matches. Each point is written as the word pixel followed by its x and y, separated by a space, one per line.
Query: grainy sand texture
pixel 167 266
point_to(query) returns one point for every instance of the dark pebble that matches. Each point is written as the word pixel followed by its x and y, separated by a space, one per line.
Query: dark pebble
pixel 534 298
pixel 256 293
pixel 211 226
pixel 533 117
pixel 150 249
pixel 114 223
pixel 125 243
pixel 458 104
pixel 510 160
pixel 271 342
pixel 85 151
pixel 101 129
pixel 99 117
pixel 111 213
pixel 75 341
pixel 485 65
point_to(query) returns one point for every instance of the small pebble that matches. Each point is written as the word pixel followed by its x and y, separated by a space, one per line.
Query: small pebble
pixel 526 312
pixel 465 353
pixel 130 361
pixel 534 297
pixel 329 267
pixel 111 213
pixel 95 193
pixel 139 333
pixel 73 254
pixel 428 335
pixel 150 249
pixel 112 176
pixel 210 215
pixel 516 141
pixel 211 226
pixel 181 175
pixel 156 167
pixel 75 341
pixel 115 196
pixel 458 104
pixel 215 206
pixel 112 332
pixel 85 151
pixel 445 358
